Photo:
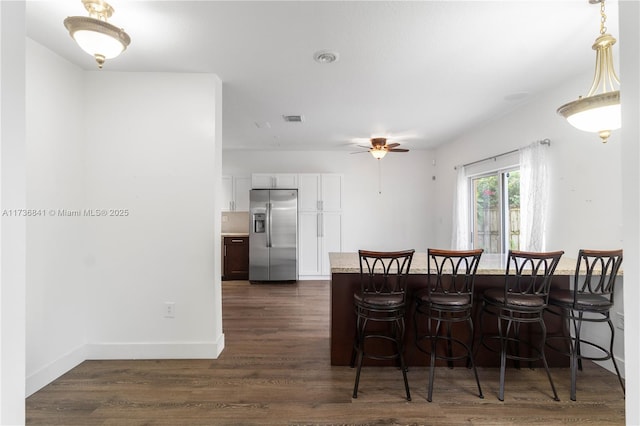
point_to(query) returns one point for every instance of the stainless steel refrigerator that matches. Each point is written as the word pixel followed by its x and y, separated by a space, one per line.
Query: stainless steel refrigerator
pixel 273 236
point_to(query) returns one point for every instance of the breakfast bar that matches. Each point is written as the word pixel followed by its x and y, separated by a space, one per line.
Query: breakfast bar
pixel 345 281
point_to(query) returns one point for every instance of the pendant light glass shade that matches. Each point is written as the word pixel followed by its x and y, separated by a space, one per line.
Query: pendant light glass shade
pixel 95 35
pixel 598 114
pixel 599 111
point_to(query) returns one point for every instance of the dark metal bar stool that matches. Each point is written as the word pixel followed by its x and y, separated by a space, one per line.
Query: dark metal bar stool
pixel 448 300
pixel 380 309
pixel 522 301
pixel 592 294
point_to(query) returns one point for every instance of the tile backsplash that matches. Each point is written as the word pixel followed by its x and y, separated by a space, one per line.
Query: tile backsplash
pixel 235 222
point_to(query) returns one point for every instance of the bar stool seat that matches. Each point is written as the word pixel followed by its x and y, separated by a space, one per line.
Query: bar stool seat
pixel 379 301
pixel 445 300
pixel 496 295
pixel 565 298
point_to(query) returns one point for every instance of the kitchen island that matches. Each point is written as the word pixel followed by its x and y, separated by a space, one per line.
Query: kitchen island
pixel 345 276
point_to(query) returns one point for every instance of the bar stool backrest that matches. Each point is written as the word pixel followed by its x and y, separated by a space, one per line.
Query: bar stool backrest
pixel 384 273
pixel 452 271
pixel 530 273
pixel 596 272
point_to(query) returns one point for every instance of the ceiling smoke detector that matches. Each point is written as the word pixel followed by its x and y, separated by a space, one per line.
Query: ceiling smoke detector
pixel 293 118
pixel 325 56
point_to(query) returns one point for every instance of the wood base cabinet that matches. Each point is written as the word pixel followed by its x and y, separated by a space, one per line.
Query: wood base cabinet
pixel 236 258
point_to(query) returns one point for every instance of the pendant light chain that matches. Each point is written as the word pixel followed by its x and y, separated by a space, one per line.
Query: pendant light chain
pixel 603 19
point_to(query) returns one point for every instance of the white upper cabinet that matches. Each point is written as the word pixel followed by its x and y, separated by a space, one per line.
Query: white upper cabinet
pixel 309 192
pixel 241 188
pixel 274 180
pixel 227 193
pixel 235 193
pixel 320 192
pixel 331 192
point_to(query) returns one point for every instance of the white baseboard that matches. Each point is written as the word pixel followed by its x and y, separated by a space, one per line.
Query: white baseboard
pixel 314 277
pixel 608 365
pixel 93 351
pixel 53 370
pixel 154 350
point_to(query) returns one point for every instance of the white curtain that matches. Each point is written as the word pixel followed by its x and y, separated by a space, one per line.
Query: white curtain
pixel 534 196
pixel 460 239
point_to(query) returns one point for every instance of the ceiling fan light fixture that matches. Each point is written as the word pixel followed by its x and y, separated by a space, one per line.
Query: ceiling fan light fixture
pixel 599 111
pixel 378 153
pixel 95 35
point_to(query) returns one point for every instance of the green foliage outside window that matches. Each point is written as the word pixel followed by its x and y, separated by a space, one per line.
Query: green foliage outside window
pixel 487 222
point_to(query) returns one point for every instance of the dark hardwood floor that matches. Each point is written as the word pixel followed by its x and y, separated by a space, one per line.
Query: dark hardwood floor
pixel 275 370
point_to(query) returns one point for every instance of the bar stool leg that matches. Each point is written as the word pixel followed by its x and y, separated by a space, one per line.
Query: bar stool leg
pixel 613 359
pixel 503 356
pixel 432 364
pixel 544 357
pixel 470 361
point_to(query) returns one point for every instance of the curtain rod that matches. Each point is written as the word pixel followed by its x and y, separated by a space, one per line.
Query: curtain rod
pixel 494 157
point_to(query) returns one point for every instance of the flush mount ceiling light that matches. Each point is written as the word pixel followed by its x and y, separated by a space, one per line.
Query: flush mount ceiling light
pixel 95 35
pixel 325 56
pixel 599 111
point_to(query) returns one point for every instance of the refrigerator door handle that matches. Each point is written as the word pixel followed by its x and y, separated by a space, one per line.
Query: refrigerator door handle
pixel 320 225
pixel 268 224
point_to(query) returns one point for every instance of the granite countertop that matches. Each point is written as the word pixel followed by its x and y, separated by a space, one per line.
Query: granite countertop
pixel 234 234
pixel 490 264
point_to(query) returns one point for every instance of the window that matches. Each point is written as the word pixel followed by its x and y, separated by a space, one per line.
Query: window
pixel 501 201
pixel 495 210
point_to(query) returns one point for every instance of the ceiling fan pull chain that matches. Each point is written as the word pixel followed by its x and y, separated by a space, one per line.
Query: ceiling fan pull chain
pixel 379 176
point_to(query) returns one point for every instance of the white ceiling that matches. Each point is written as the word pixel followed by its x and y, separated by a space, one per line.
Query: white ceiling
pixel 419 72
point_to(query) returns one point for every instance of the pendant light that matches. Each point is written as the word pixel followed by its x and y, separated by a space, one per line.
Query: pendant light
pixel 95 35
pixel 599 111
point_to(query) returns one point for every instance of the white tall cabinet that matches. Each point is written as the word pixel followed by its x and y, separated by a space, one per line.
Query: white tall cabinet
pixel 235 193
pixel 319 222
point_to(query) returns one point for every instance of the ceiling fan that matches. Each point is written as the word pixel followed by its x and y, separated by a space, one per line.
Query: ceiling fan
pixel 379 148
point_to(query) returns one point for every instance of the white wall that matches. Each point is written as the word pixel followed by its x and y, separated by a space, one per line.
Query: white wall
pixel 630 158
pixel 151 152
pixel 12 229
pixel 397 218
pixel 56 281
pixel 145 144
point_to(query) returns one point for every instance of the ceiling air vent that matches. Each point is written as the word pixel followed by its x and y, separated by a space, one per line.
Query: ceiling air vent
pixel 293 118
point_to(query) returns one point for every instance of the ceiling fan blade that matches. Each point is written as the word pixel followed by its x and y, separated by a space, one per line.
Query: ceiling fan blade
pixel 358 152
pixel 399 150
pixel 392 145
pixel 364 146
